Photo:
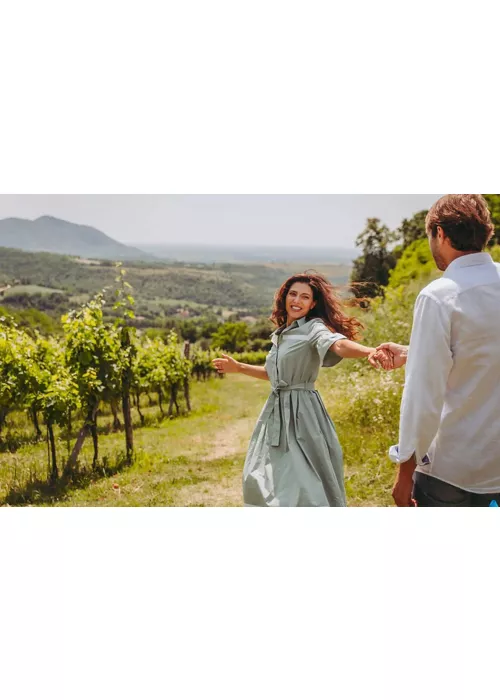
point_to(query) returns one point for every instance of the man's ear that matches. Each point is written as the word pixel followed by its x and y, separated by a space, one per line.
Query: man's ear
pixel 440 233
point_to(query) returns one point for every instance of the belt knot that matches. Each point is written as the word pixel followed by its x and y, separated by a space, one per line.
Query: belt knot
pixel 274 407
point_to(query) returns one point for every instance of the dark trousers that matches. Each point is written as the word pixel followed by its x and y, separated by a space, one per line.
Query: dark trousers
pixel 430 492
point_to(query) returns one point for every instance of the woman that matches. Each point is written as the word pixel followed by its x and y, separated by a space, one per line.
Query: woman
pixel 295 458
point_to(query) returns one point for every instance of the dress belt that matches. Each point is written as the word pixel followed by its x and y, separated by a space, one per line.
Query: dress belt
pixel 272 411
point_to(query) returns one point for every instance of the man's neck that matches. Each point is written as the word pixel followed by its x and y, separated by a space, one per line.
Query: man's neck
pixel 456 254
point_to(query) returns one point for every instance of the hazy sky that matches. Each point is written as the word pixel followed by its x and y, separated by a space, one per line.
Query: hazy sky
pixel 311 220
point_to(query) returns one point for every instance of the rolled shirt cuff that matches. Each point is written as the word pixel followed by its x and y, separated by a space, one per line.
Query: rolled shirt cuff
pixel 396 457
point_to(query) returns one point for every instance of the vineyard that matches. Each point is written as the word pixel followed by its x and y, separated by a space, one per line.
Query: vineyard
pixel 100 368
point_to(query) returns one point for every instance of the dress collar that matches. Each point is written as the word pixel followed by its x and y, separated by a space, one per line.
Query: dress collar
pixel 284 329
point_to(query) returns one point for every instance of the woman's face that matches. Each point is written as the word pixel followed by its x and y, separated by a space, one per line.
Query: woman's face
pixel 299 301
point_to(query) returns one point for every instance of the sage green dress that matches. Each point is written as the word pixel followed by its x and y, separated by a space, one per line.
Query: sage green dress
pixel 294 457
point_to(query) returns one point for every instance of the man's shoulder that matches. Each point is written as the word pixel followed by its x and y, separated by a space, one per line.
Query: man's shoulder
pixel 441 289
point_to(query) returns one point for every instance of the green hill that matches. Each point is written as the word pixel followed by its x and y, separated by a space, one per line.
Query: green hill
pixel 159 288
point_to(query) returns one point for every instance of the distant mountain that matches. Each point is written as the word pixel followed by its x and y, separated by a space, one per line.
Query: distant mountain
pixel 48 234
pixel 176 252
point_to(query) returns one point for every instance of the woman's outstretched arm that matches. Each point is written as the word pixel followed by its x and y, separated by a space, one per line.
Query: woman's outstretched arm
pixel 228 365
pixel 351 350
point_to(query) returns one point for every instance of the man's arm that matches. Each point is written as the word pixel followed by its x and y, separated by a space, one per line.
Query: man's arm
pixel 403 488
pixel 426 379
pixel 428 366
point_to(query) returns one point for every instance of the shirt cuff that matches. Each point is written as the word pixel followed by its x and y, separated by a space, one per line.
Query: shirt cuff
pixel 397 457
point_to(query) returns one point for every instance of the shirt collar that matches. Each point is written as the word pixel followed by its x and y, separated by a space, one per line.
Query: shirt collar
pixel 468 261
pixel 296 324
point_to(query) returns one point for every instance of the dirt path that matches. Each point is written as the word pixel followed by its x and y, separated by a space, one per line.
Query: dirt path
pixel 230 442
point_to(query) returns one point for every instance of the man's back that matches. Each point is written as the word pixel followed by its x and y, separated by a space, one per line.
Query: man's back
pixel 458 322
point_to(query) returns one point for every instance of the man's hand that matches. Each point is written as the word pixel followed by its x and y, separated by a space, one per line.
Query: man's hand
pixel 403 488
pixel 398 352
pixel 402 492
pixel 381 358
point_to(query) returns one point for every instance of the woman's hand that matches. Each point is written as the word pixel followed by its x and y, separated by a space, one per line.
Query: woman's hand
pixel 226 365
pixel 382 358
pixel 398 352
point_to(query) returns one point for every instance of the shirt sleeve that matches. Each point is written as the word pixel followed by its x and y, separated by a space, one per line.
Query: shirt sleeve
pixel 430 360
pixel 323 339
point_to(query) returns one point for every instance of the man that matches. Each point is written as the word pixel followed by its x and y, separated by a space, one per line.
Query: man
pixel 449 442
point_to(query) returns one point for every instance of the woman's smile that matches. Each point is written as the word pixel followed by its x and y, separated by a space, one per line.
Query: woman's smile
pixel 299 300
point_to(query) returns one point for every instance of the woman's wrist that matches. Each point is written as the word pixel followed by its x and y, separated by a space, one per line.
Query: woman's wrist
pixel 364 352
pixel 352 350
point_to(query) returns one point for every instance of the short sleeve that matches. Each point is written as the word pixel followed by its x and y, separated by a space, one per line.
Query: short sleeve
pixel 322 338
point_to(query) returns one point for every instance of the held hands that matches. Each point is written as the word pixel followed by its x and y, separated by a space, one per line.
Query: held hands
pixel 226 365
pixel 381 359
pixel 389 356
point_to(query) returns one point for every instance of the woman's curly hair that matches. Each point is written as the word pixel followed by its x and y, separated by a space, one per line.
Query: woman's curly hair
pixel 329 306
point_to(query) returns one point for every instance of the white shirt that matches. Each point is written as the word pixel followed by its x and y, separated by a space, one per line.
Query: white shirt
pixel 451 399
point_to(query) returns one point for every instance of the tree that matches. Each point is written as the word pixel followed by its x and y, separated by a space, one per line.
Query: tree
pixel 149 374
pixel 55 395
pixel 33 375
pixel 93 351
pixel 177 370
pixel 413 229
pixel 128 350
pixel 209 326
pixel 189 330
pixel 416 261
pixel 493 201
pixel 261 329
pixel 232 337
pixel 371 270
pixel 201 359
pixel 16 372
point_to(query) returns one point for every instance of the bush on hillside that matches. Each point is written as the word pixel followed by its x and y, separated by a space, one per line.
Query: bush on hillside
pixel 415 262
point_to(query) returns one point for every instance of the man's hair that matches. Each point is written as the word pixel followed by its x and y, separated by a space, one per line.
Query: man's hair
pixel 465 220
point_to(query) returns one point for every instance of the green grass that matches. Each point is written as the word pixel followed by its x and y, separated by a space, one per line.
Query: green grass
pixel 178 461
pixel 364 405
